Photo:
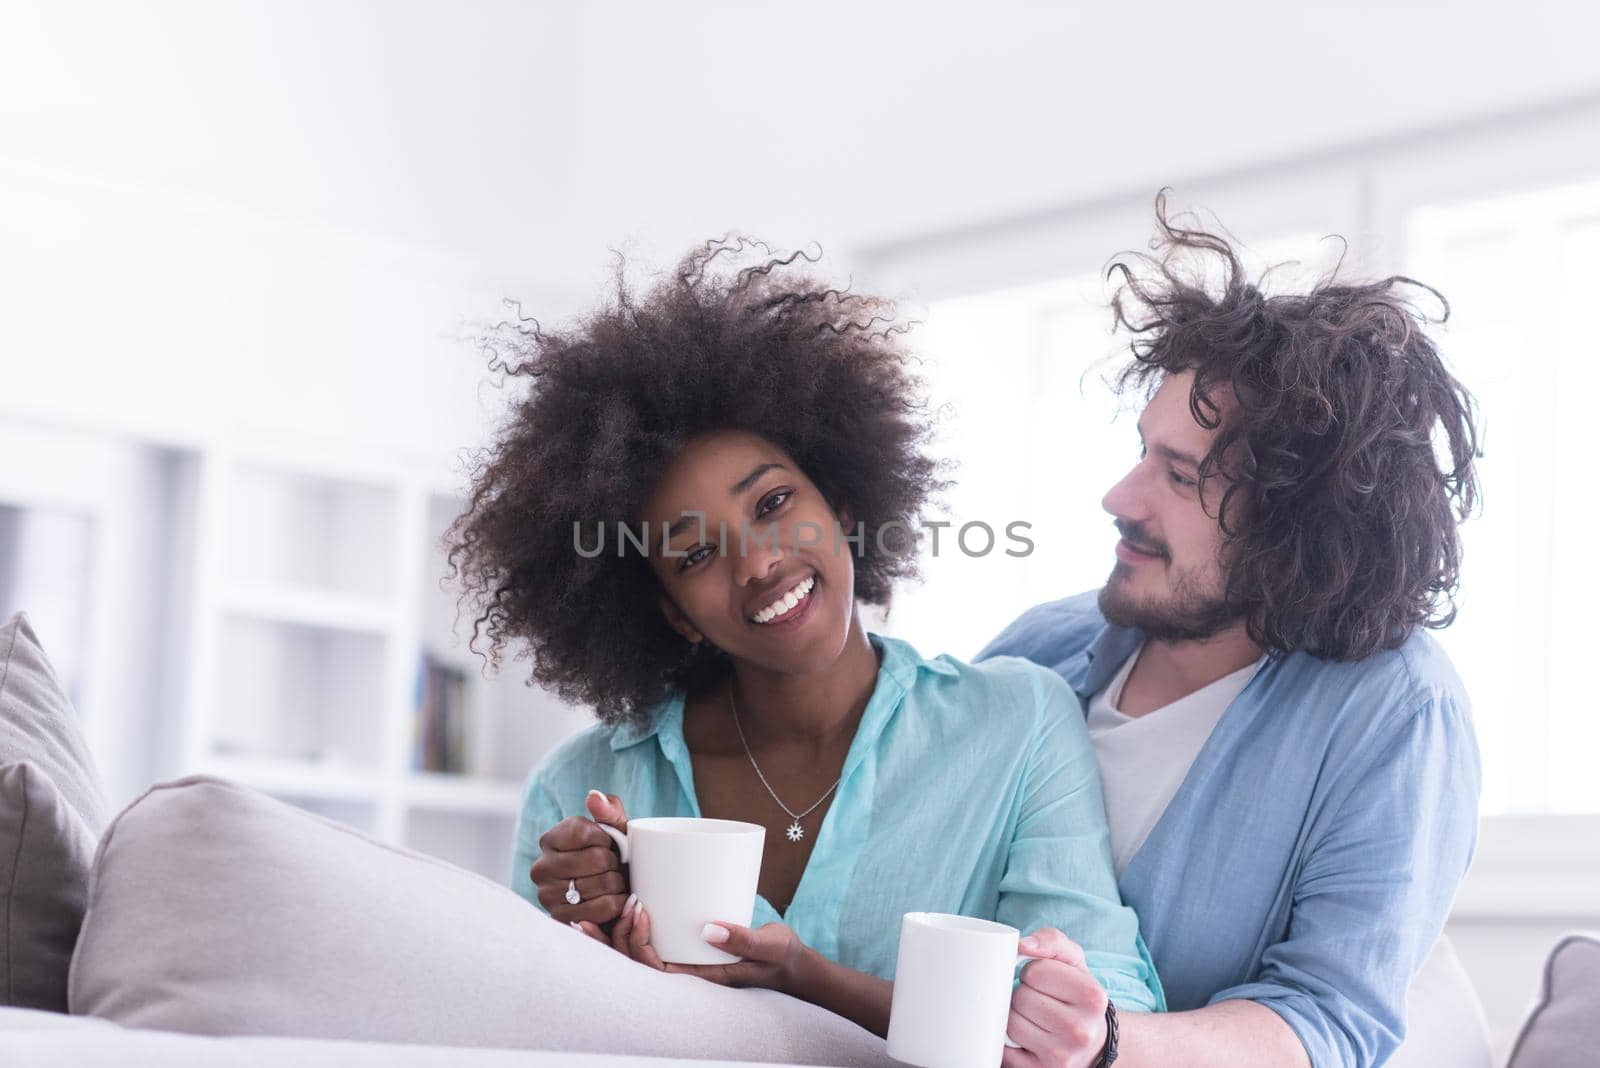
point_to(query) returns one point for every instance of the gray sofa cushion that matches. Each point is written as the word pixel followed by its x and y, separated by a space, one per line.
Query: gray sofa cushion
pixel 216 910
pixel 1563 1030
pixel 51 814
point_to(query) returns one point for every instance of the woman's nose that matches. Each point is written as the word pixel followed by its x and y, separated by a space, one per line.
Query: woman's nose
pixel 757 555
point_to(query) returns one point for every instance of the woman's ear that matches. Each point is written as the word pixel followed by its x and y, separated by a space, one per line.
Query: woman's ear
pixel 847 521
pixel 678 621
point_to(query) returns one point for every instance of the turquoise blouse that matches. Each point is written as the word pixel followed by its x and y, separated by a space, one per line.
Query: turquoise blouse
pixel 969 788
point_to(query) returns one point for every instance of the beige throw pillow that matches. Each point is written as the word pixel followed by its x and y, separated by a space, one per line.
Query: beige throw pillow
pixel 216 910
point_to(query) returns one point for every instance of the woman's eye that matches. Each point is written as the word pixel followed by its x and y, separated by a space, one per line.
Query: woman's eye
pixel 772 502
pixel 694 557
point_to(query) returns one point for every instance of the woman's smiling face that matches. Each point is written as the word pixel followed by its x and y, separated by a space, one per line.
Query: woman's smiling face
pixel 777 590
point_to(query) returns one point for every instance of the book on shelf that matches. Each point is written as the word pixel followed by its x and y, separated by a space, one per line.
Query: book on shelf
pixel 439 725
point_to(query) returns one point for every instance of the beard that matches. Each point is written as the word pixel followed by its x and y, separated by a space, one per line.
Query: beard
pixel 1189 615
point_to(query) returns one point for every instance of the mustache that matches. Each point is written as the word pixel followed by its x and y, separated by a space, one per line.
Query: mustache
pixel 1136 535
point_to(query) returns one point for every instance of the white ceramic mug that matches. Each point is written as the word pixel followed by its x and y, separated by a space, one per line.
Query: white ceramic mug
pixel 952 991
pixel 691 872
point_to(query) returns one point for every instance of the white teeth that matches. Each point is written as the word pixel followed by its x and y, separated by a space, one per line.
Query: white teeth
pixel 787 602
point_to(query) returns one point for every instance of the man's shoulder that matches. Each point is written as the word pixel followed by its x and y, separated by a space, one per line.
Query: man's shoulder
pixel 1346 718
pixel 1052 632
pixel 1408 677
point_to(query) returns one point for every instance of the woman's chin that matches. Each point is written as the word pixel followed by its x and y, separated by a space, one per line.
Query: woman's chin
pixel 809 644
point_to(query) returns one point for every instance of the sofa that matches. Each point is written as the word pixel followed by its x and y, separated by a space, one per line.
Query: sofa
pixel 208 923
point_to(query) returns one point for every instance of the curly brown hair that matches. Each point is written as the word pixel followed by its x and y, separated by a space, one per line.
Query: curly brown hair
pixel 1346 448
pixel 612 398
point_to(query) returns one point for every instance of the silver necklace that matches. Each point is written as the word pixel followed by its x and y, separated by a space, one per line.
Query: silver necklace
pixel 795 832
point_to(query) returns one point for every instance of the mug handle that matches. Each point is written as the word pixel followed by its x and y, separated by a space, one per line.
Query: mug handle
pixel 622 844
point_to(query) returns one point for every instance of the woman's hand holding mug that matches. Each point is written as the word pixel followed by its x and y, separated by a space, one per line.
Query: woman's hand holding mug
pixel 577 859
pixel 770 956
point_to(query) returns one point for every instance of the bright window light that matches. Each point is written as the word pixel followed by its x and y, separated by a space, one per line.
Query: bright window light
pixel 1520 273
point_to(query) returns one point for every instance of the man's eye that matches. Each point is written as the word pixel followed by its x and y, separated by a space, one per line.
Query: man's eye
pixel 1180 480
pixel 771 503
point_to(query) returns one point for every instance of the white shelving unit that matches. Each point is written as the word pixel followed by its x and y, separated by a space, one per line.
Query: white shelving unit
pixel 318 590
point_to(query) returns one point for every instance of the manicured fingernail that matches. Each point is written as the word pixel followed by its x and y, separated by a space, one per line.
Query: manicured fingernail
pixel 1027 942
pixel 597 793
pixel 638 907
pixel 628 904
pixel 714 934
pixel 576 926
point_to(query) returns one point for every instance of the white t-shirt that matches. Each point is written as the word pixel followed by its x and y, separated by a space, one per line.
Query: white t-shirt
pixel 1144 759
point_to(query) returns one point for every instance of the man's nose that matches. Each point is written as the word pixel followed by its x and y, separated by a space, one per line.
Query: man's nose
pixel 1125 500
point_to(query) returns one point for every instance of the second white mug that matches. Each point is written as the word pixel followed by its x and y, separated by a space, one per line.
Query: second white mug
pixel 952 991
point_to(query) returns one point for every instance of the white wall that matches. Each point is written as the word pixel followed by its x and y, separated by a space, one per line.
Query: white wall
pixel 140 312
pixel 537 135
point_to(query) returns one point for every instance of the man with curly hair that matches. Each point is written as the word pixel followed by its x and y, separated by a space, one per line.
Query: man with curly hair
pixel 1289 766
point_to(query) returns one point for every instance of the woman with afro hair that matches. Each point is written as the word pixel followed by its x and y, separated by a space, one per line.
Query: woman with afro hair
pixel 677 523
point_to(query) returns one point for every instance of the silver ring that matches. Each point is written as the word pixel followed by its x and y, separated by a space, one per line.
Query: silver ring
pixel 573 897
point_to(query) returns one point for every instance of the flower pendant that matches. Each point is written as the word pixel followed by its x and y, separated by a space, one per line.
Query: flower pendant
pixel 795 831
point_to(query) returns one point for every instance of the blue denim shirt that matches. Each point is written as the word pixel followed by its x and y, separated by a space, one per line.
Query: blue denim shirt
pixel 970 789
pixel 1310 858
